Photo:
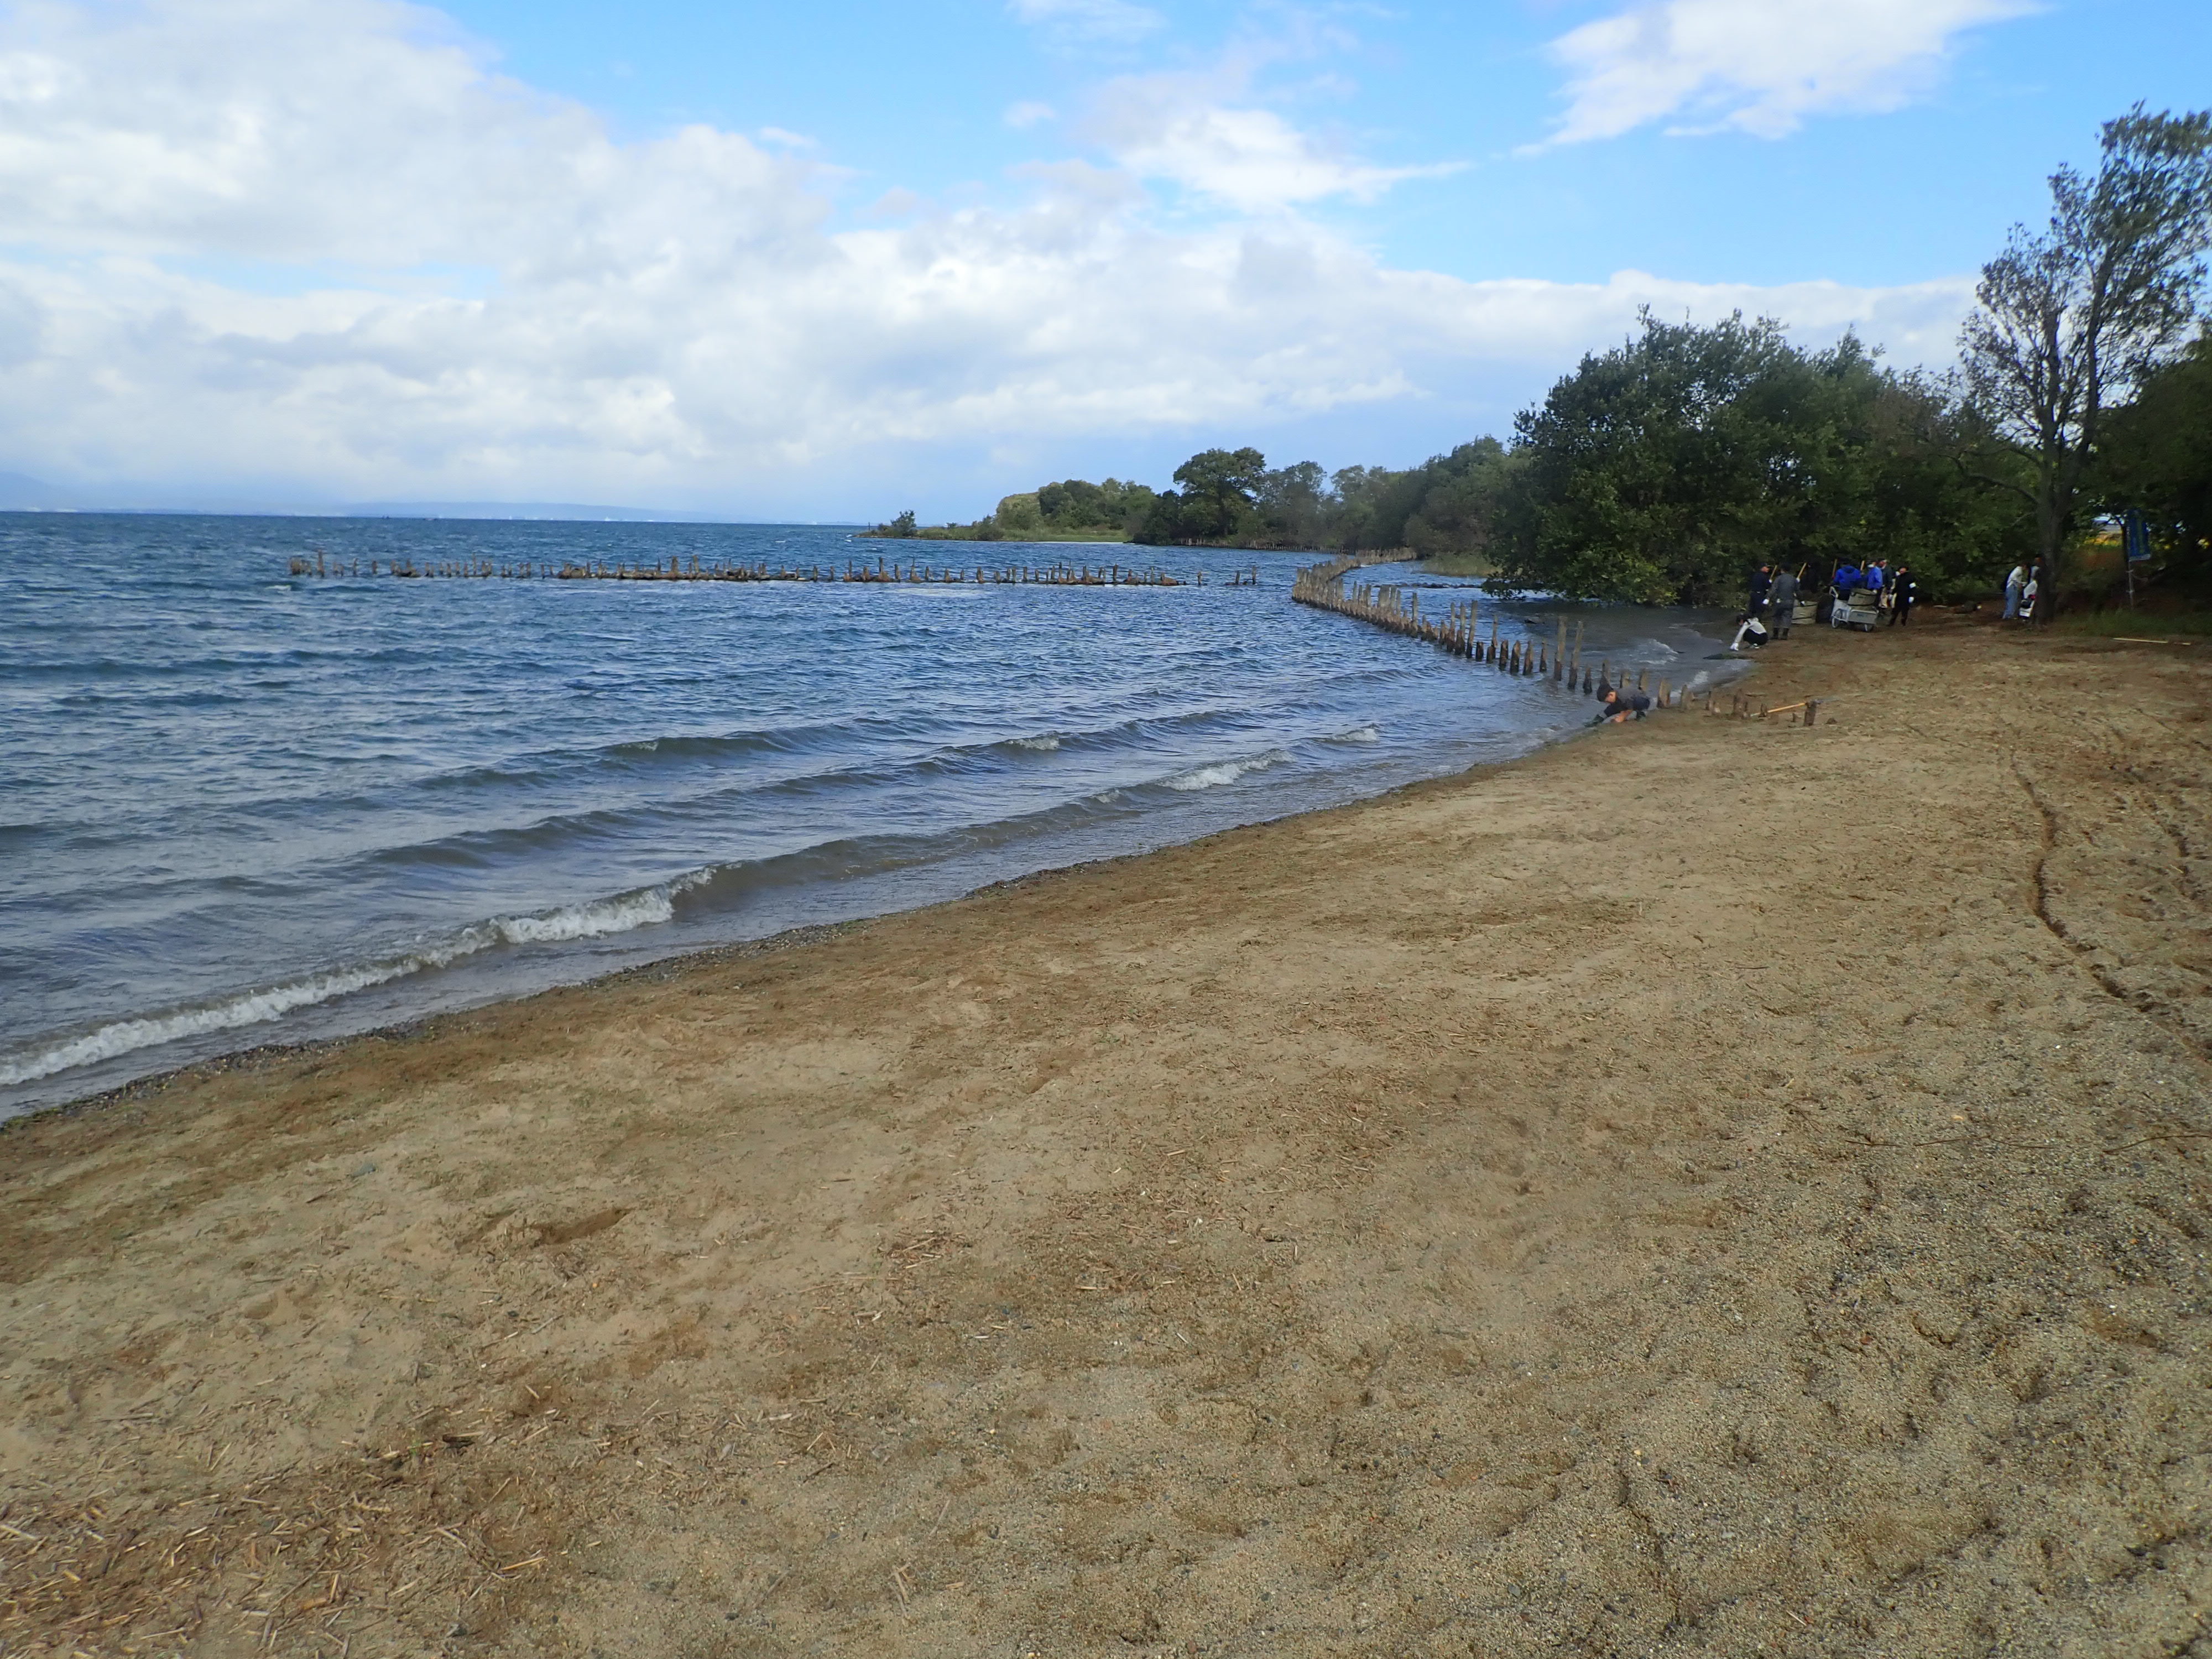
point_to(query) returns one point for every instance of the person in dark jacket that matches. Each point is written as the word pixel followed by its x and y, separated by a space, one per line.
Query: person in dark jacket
pixel 1619 705
pixel 1762 584
pixel 1903 591
pixel 1781 604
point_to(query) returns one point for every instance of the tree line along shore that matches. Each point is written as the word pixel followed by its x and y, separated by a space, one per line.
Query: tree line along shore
pixel 1661 471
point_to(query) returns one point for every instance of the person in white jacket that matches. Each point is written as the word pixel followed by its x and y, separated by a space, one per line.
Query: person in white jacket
pixel 2014 585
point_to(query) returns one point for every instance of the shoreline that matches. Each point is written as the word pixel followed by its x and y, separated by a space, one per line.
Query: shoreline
pixel 427 1026
pixel 791 938
pixel 1540 1205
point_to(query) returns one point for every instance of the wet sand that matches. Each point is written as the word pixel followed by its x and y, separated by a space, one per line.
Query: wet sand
pixel 1710 1187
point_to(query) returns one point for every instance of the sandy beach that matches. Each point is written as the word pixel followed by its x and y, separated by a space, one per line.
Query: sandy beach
pixel 1712 1187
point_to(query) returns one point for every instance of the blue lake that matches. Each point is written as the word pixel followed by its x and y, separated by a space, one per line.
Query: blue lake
pixel 240 806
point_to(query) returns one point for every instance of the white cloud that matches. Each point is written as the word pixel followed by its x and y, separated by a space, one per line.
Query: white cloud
pixel 1027 114
pixel 1089 21
pixel 315 247
pixel 1181 128
pixel 1761 66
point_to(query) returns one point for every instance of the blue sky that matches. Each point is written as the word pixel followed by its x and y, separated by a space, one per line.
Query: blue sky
pixel 914 97
pixel 833 260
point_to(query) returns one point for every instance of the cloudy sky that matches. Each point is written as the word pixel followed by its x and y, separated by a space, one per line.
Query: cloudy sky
pixel 831 260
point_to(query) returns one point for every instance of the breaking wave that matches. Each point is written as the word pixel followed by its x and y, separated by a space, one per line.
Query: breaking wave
pixel 643 908
pixel 1221 772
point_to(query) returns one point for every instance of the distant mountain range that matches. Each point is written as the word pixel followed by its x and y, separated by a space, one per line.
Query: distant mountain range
pixel 20 493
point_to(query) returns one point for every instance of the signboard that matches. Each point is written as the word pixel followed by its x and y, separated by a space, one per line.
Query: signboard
pixel 2135 537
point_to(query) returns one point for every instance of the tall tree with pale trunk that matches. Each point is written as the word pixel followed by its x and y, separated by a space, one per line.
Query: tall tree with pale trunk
pixel 2071 320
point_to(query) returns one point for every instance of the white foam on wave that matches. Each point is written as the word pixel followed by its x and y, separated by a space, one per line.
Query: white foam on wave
pixel 1358 734
pixel 644 908
pixel 1044 744
pixel 1221 772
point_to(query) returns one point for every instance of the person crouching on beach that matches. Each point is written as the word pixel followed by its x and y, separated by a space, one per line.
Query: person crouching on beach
pixel 1619 706
pixel 1749 630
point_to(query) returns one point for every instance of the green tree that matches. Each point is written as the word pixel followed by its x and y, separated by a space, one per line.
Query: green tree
pixel 1125 504
pixel 1074 503
pixel 1018 515
pixel 2073 318
pixel 902 526
pixel 1652 473
pixel 1374 505
pixel 2156 456
pixel 1219 489
pixel 1465 503
pixel 1292 506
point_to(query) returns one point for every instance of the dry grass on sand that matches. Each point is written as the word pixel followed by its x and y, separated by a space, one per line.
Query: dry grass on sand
pixel 1558 1210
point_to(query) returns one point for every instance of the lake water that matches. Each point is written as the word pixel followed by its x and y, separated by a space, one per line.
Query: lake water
pixel 238 806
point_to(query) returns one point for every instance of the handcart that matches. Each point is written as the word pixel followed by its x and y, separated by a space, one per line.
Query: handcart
pixel 1861 609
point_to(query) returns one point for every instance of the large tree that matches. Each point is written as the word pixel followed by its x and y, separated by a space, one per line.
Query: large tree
pixel 2074 317
pixel 1658 470
pixel 1219 487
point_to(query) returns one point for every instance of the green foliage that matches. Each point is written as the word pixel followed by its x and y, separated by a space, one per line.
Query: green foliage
pixel 1112 506
pixel 2156 456
pixel 1292 506
pixel 1664 469
pixel 1465 508
pixel 1448 504
pixel 1020 516
pixel 2076 317
pixel 902 527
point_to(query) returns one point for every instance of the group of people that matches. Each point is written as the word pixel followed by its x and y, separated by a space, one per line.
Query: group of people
pixel 1773 606
pixel 1894 592
pixel 2023 592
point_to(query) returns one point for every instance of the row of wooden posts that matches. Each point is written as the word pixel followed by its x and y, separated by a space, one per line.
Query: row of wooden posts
pixel 883 570
pixel 1458 631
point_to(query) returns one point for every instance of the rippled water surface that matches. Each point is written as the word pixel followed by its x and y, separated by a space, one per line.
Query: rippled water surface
pixel 240 806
